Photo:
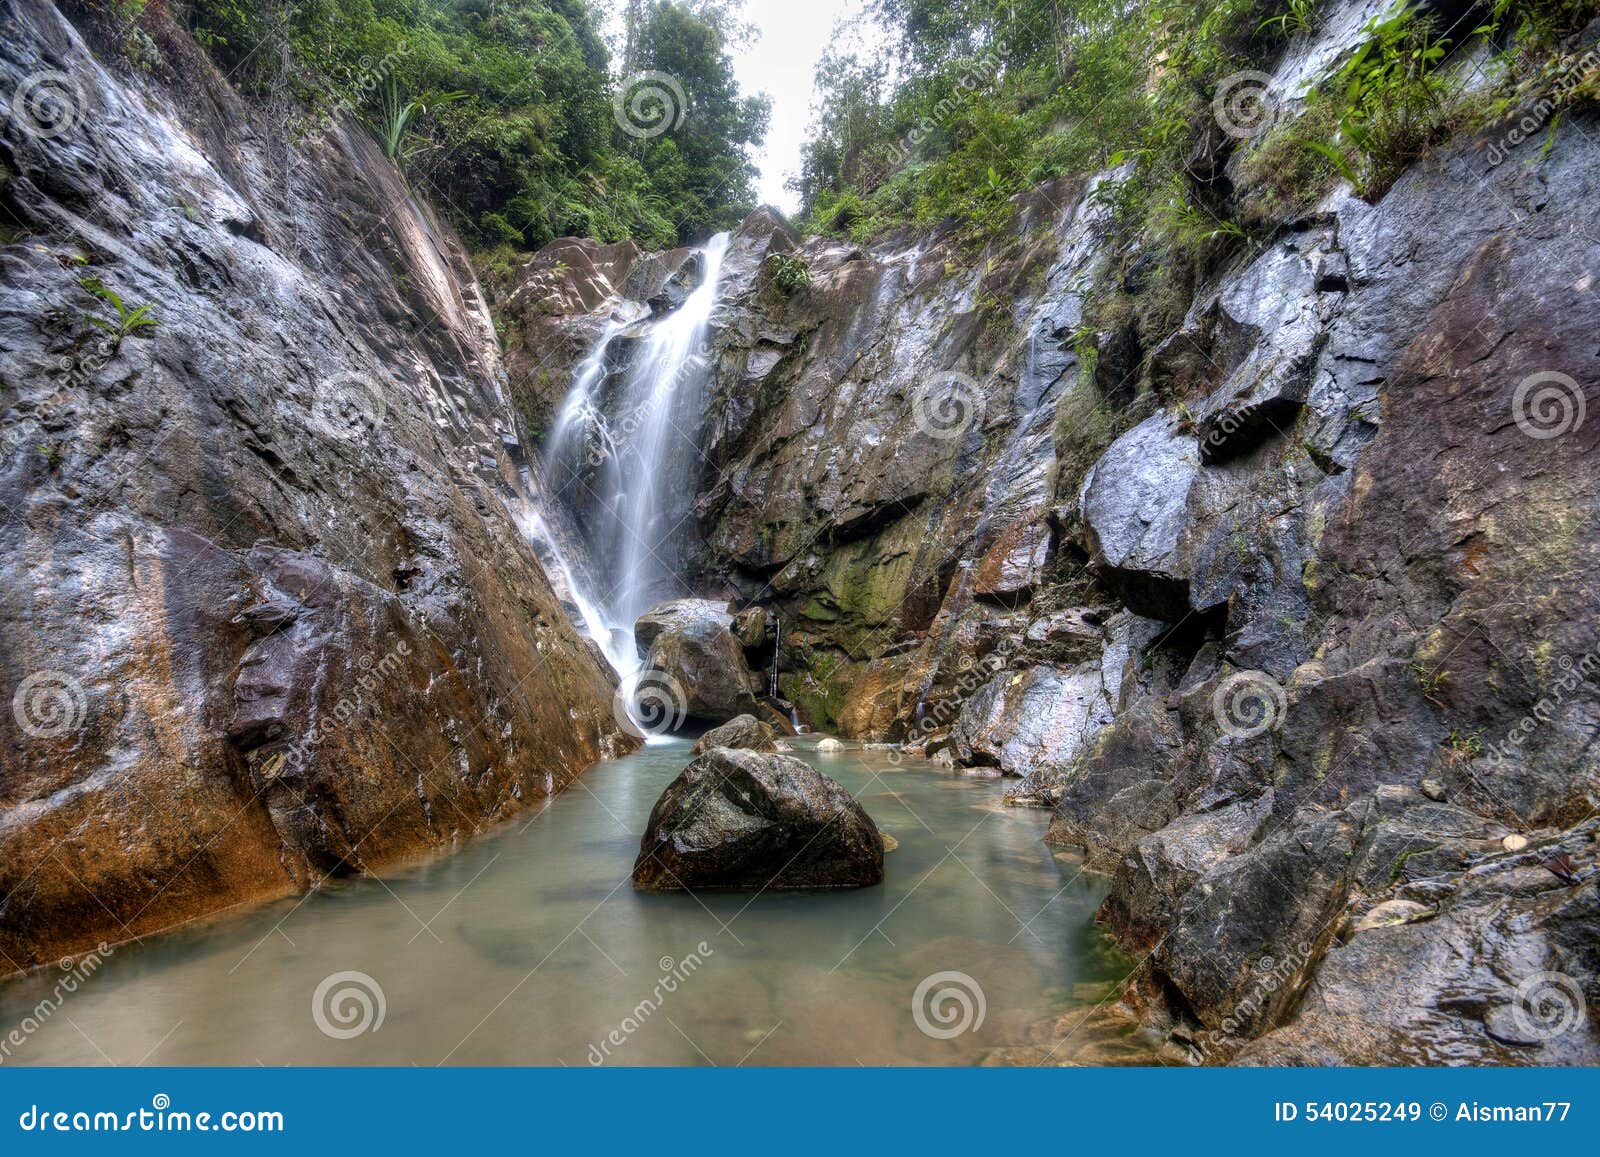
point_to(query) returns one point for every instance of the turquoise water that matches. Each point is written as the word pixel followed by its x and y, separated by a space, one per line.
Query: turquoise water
pixel 529 946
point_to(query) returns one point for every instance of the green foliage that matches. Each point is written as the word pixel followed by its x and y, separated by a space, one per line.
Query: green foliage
pixel 126 320
pixel 1393 102
pixel 394 117
pixel 1298 18
pixel 997 96
pixel 787 273
pixel 502 109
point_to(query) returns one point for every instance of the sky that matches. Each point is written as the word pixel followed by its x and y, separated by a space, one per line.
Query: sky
pixel 791 37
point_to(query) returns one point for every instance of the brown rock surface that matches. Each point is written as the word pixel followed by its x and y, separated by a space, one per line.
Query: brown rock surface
pixel 265 611
pixel 745 820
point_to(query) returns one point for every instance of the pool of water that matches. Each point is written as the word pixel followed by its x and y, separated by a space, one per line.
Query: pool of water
pixel 530 946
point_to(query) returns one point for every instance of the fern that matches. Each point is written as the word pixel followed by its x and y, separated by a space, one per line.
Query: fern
pixel 127 320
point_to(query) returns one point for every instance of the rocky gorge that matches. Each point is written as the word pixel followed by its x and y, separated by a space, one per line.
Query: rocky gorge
pixel 267 612
pixel 1283 607
pixel 1274 586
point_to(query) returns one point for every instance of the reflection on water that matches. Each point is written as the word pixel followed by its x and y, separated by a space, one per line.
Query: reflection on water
pixel 531 947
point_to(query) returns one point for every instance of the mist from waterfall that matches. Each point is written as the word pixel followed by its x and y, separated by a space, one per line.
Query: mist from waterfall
pixel 623 455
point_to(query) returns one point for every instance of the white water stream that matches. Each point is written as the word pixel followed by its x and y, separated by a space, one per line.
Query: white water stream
pixel 623 459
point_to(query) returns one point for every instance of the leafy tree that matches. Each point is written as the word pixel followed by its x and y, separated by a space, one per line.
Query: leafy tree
pixel 702 165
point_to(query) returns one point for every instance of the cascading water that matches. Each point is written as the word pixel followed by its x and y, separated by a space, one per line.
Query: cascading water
pixel 623 454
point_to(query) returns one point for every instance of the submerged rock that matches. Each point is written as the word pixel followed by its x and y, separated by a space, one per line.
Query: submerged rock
pixel 742 731
pixel 743 819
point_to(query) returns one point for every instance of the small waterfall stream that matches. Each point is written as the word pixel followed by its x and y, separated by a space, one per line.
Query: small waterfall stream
pixel 623 456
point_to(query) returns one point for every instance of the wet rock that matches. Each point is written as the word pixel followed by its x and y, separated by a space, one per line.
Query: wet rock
pixel 1043 714
pixel 1135 513
pixel 274 564
pixel 753 626
pixel 744 820
pixel 691 643
pixel 829 744
pixel 743 731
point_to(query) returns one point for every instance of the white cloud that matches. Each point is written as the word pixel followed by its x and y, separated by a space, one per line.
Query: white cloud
pixel 782 62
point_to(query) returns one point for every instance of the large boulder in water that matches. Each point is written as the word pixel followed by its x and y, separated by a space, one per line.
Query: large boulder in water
pixel 691 642
pixel 742 731
pixel 743 819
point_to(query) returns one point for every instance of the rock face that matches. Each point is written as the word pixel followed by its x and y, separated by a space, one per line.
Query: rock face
pixel 266 613
pixel 743 731
pixel 1231 600
pixel 691 643
pixel 1275 581
pixel 745 820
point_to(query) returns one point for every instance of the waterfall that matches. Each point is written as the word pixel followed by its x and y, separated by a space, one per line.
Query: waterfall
pixel 623 458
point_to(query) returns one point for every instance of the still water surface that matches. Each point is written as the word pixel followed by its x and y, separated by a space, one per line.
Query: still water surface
pixel 530 947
